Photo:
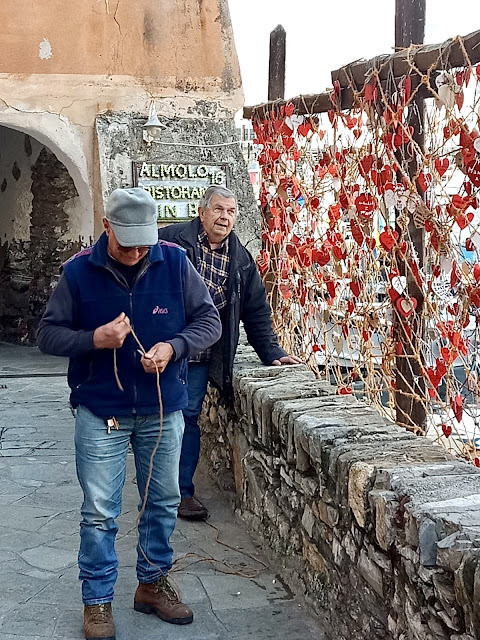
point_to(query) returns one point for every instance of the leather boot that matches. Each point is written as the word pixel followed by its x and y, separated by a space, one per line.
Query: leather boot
pixel 162 598
pixel 98 622
pixel 192 509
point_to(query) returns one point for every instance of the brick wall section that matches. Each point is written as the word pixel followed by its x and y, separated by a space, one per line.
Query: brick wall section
pixel 379 528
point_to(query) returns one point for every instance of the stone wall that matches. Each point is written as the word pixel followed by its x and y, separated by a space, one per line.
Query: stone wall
pixel 380 529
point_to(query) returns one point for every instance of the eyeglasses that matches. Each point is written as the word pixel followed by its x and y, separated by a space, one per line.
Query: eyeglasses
pixel 128 249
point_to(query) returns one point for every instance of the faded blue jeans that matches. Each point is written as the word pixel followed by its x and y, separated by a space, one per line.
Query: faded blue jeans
pixel 197 388
pixel 101 465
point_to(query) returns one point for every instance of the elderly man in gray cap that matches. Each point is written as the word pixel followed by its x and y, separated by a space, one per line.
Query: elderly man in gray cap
pixel 128 311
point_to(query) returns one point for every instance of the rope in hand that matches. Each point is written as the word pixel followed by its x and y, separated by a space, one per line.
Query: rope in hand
pixel 239 572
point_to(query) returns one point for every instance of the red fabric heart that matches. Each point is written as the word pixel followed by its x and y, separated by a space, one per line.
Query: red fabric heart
pixel 457 407
pixel 355 288
pixel 441 165
pixel 464 219
pixel 447 430
pixel 406 306
pixel 473 172
pixel 365 204
pixel 425 180
pixel 388 238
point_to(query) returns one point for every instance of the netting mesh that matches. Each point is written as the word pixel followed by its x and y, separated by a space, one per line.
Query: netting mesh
pixel 371 244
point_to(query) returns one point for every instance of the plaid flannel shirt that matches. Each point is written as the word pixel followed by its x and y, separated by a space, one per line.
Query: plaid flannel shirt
pixel 212 265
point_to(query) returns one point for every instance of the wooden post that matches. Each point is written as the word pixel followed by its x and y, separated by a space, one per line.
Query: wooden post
pixel 276 65
pixel 276 91
pixel 410 411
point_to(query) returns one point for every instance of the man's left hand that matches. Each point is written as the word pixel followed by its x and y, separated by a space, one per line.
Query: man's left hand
pixel 160 355
pixel 287 360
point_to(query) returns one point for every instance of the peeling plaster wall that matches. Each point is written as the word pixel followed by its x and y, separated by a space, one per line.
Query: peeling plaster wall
pixel 184 44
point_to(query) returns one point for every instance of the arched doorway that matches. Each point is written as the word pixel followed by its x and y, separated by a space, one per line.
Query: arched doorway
pixel 40 227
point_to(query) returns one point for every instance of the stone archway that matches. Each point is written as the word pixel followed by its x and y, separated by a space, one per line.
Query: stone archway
pixel 40 226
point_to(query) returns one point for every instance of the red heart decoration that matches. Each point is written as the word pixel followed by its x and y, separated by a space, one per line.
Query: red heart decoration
pixel 304 128
pixel 457 407
pixel 441 165
pixel 441 368
pixel 320 256
pixel 371 243
pixel 425 180
pixel 406 306
pixel 344 391
pixel 476 272
pixel 473 172
pixel 447 430
pixel 339 252
pixel 366 163
pixel 331 288
pixel 355 288
pixel 357 233
pixel 365 204
pixel 464 219
pixel 433 377
pixel 289 109
pixel 388 238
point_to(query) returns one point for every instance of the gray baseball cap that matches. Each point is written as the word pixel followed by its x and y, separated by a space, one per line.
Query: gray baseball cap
pixel 132 214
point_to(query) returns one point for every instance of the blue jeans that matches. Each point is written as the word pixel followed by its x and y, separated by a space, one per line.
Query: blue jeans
pixel 101 465
pixel 197 388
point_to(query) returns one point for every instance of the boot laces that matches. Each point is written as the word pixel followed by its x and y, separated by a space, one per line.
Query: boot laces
pixel 173 593
pixel 100 614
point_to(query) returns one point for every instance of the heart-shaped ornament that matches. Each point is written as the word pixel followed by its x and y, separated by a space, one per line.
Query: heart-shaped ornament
pixel 399 283
pixel 473 172
pixel 441 288
pixel 337 341
pixel 406 306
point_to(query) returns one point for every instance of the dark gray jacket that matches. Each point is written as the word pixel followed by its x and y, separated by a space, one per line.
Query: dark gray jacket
pixel 246 302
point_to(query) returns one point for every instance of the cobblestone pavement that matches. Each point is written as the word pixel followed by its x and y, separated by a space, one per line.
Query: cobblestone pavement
pixel 39 524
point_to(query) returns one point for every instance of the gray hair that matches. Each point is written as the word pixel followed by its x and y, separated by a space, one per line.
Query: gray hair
pixel 214 190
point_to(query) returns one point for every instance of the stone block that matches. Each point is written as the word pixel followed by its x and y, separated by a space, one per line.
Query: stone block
pixel 313 557
pixel 385 507
pixel 427 542
pixel 360 479
pixel 308 520
pixel 371 572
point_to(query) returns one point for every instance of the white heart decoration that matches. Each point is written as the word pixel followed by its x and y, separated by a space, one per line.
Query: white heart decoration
pixel 441 288
pixel 390 199
pixel 399 283
pixel 446 265
pixel 476 145
pixel 446 95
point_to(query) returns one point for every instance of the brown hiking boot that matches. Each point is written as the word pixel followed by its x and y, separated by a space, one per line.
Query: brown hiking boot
pixel 162 598
pixel 98 622
pixel 192 509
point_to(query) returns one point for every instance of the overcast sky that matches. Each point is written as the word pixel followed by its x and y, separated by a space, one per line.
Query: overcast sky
pixel 322 36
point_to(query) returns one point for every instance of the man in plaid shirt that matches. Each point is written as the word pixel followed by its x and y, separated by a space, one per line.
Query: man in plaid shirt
pixel 232 278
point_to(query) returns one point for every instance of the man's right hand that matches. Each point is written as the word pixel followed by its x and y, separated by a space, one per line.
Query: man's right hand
pixel 112 334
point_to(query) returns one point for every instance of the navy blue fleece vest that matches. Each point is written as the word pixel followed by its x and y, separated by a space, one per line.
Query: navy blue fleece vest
pixel 156 310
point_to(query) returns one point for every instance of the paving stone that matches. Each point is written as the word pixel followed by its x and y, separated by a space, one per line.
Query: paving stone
pixel 40 593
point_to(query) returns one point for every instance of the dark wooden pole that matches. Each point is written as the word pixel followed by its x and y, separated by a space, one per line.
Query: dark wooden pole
pixel 411 411
pixel 276 65
pixel 276 91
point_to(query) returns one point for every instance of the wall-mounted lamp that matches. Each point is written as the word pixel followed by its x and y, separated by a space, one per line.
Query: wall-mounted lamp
pixel 153 126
